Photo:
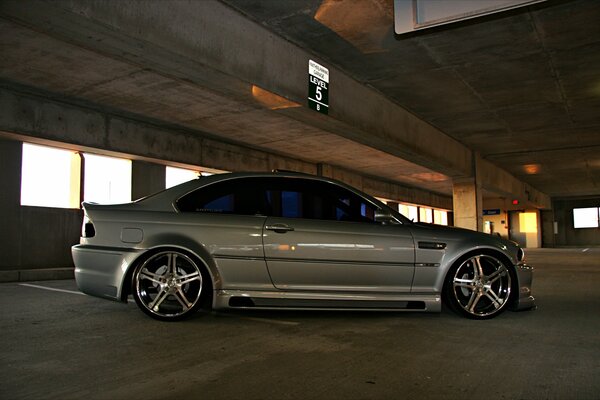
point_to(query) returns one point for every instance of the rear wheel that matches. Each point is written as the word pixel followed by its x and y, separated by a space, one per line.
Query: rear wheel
pixel 479 287
pixel 169 285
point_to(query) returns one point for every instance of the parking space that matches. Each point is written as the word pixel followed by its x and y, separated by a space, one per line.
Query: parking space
pixel 57 343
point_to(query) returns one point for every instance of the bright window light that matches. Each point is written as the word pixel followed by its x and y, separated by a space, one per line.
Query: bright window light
pixel 528 222
pixel 440 217
pixel 50 177
pixel 410 212
pixel 175 176
pixel 586 217
pixel 425 215
pixel 107 179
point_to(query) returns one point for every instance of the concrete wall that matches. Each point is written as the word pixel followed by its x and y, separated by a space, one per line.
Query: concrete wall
pixel 511 229
pixel 567 234
pixel 548 235
pixel 500 221
pixel 34 115
pixel 31 237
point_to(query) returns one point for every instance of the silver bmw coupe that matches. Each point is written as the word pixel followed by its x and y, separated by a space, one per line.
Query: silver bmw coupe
pixel 289 240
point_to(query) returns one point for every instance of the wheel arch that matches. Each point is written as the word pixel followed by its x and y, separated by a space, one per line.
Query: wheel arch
pixel 196 251
pixel 490 251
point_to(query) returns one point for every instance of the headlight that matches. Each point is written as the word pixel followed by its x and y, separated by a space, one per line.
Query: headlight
pixel 87 229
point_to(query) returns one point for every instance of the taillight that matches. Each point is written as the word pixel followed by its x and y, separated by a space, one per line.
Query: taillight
pixel 87 230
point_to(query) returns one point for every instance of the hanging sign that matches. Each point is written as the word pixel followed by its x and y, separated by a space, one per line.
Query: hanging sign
pixel 495 211
pixel 318 87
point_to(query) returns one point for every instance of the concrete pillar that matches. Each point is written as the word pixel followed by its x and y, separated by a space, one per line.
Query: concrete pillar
pixel 467 202
pixel 146 178
pixel 10 200
pixel 467 197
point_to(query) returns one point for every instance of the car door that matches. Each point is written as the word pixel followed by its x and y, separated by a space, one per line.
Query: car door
pixel 226 219
pixel 323 237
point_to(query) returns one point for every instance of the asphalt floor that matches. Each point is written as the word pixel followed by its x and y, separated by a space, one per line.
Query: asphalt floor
pixel 59 344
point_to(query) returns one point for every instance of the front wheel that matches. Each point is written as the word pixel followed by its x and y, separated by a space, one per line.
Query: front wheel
pixel 168 285
pixel 479 287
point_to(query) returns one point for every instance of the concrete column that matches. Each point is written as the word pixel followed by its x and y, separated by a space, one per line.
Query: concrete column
pixel 10 200
pixel 146 178
pixel 467 202
pixel 467 197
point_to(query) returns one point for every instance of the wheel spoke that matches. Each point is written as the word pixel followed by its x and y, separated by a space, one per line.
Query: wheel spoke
pixel 194 276
pixel 151 276
pixel 466 283
pixel 182 299
pixel 496 300
pixel 478 269
pixel 158 300
pixel 172 263
pixel 475 296
pixel 497 274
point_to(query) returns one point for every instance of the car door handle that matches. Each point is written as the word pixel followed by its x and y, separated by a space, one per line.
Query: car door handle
pixel 279 228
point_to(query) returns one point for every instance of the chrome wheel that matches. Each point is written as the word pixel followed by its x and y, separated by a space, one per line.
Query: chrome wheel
pixel 168 285
pixel 480 287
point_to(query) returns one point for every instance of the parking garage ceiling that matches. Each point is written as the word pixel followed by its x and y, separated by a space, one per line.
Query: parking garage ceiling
pixel 521 88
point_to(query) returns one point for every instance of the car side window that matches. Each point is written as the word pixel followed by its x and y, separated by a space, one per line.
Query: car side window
pixel 243 196
pixel 312 199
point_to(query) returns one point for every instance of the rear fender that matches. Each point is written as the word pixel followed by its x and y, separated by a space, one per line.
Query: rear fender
pixel 178 242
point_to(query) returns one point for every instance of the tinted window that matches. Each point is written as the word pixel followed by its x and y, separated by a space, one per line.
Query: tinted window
pixel 305 198
pixel 237 196
pixel 279 197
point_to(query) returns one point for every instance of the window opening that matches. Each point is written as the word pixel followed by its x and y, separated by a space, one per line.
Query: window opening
pixel 588 217
pixel 107 180
pixel 50 177
pixel 174 176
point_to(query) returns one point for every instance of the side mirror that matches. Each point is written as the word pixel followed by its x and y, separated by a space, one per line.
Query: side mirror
pixel 384 217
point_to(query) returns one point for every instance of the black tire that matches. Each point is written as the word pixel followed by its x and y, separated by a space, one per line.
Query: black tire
pixel 169 285
pixel 479 286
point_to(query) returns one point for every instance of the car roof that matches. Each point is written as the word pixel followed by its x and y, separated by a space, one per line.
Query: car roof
pixel 164 200
pixel 168 196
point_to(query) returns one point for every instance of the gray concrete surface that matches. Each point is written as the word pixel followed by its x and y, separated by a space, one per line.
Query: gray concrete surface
pixel 67 345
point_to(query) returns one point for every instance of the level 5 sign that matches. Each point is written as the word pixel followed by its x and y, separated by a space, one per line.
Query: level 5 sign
pixel 318 87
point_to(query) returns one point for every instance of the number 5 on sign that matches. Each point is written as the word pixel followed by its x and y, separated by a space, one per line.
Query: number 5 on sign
pixel 318 90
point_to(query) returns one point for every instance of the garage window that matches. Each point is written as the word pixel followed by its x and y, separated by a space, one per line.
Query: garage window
pixel 107 179
pixel 586 217
pixel 175 176
pixel 50 177
pixel 440 217
pixel 409 211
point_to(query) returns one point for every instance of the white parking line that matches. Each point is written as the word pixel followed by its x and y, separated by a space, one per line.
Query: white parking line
pixel 51 289
pixel 264 320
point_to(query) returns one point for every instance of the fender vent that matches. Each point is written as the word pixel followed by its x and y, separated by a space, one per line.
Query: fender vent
pixel 432 245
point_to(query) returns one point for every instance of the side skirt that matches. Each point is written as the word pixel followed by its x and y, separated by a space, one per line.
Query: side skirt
pixel 240 299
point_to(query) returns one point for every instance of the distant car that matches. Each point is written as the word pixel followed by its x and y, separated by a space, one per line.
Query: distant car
pixel 289 240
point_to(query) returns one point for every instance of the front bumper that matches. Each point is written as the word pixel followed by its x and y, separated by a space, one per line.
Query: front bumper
pixel 101 271
pixel 524 301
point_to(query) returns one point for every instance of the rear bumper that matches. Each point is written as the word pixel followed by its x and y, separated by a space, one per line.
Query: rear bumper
pixel 525 301
pixel 101 271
